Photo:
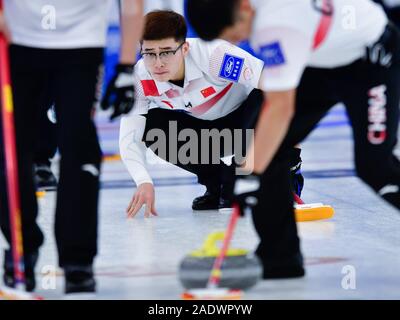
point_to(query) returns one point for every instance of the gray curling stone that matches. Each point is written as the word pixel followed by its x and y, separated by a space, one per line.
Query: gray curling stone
pixel 240 269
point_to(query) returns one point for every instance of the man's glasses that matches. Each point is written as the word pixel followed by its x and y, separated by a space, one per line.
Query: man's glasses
pixel 165 56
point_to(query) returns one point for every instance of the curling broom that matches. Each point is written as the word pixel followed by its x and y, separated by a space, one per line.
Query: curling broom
pixel 311 211
pixel 12 177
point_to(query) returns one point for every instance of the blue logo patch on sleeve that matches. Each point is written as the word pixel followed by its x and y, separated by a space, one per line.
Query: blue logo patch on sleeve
pixel 272 55
pixel 231 67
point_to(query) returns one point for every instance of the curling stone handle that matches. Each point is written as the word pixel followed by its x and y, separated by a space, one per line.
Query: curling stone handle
pixel 210 245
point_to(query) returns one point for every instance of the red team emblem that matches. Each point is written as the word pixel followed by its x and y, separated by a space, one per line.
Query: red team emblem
pixel 150 88
pixel 208 92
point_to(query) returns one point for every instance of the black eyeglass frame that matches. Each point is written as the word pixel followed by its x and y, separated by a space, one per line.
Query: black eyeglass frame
pixel 158 55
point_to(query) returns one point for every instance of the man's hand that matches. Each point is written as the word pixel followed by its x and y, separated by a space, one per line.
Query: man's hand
pixel 143 196
pixel 3 27
pixel 246 192
pixel 120 92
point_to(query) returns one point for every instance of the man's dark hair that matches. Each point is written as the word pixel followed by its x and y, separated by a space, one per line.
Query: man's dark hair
pixel 164 24
pixel 210 17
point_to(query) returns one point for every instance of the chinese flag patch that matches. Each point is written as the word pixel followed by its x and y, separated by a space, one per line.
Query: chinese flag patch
pixel 150 88
pixel 208 92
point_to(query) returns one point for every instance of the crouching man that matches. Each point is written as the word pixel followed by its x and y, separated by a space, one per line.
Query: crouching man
pixel 188 84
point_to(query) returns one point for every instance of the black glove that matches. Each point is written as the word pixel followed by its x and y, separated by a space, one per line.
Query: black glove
pixel 246 192
pixel 120 92
pixel 384 52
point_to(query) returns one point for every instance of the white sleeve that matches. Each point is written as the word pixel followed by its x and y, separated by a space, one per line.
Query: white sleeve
pixel 233 64
pixel 142 104
pixel 133 149
pixel 285 52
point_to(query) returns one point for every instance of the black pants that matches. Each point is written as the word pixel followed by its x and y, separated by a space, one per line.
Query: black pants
pixel 210 174
pixel 46 144
pixel 370 92
pixel 73 75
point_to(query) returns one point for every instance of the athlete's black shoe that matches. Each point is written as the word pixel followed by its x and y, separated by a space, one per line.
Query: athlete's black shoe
pixel 79 279
pixel 226 197
pixel 45 180
pixel 208 201
pixel 225 203
pixel 30 261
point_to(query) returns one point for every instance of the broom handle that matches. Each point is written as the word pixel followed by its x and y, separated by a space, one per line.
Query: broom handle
pixel 215 276
pixel 11 162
